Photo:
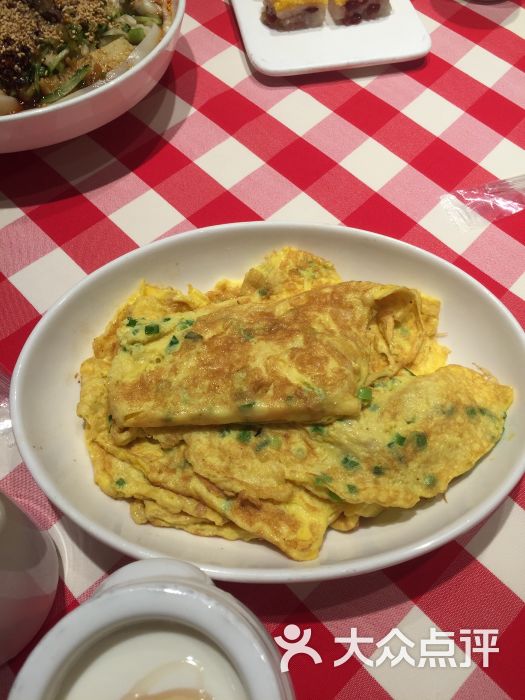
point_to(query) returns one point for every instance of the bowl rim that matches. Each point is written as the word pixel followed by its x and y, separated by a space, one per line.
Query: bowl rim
pixel 34 112
pixel 324 571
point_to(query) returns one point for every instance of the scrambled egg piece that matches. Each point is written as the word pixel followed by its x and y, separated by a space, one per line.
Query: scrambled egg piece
pixel 276 407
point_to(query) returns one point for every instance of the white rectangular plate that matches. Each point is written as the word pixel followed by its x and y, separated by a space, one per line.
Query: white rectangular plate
pixel 398 37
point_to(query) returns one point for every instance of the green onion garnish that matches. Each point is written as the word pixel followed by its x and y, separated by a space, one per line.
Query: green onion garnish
pixel 421 440
pixel 377 470
pixel 185 323
pixel 349 463
pixel 191 335
pixel 365 393
pixel 152 329
pixel 244 435
pixel 131 322
pixel 397 440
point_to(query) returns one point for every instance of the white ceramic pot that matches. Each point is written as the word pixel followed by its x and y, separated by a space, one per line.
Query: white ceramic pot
pixel 28 579
pixel 105 644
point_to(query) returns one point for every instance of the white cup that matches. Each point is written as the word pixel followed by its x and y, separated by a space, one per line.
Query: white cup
pixel 152 592
pixel 28 578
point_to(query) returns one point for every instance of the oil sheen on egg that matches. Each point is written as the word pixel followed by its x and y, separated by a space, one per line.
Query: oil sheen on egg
pixel 153 661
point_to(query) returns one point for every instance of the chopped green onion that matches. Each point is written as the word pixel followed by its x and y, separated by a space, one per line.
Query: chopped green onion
pixel 365 393
pixel 247 334
pixel 471 411
pixel 191 335
pixel 349 463
pixel 120 483
pixel 322 479
pixel 131 322
pixel 378 470
pixel 334 496
pixel 244 435
pixel 397 440
pixel 319 429
pixel 185 323
pixel 430 480
pixel 67 86
pixel 421 440
pixel 263 292
pixel 247 406
pixel 110 418
pixel 262 444
pixel 352 488
pixel 173 343
pixel 152 329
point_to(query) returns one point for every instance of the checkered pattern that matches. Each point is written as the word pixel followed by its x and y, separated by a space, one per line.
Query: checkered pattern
pixel 375 148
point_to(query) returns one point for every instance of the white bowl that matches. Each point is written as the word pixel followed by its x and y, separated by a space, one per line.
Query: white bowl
pixel 44 394
pixel 35 128
pixel 164 595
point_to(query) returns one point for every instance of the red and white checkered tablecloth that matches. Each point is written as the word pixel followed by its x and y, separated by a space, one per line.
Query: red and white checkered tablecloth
pixel 374 148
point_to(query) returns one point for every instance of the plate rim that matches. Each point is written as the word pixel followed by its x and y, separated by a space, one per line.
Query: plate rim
pixel 317 572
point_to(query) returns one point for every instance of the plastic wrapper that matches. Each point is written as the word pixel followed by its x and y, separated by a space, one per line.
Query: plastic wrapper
pixel 490 202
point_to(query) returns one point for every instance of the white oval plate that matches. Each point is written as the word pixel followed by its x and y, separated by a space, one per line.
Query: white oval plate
pixel 45 392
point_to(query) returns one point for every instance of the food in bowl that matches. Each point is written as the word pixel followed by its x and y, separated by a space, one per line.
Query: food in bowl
pixel 50 49
pixel 228 465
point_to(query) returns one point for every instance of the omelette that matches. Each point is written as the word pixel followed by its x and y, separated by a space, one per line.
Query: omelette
pixel 302 358
pixel 275 407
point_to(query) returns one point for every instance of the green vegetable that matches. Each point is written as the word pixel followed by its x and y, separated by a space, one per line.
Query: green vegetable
pixel 110 419
pixel 136 35
pixel 322 479
pixel 120 483
pixel 349 463
pixel 131 322
pixel 173 342
pixel 378 470
pixel 191 335
pixel 365 394
pixel 52 60
pixel 185 323
pixel 148 20
pixel 334 496
pixel 166 318
pixel 352 489
pixel 262 444
pixel 244 435
pixel 263 292
pixel 152 329
pixel 430 480
pixel 397 440
pixel 319 429
pixel 67 86
pixel 471 411
pixel 421 440
pixel 247 334
pixel 247 406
